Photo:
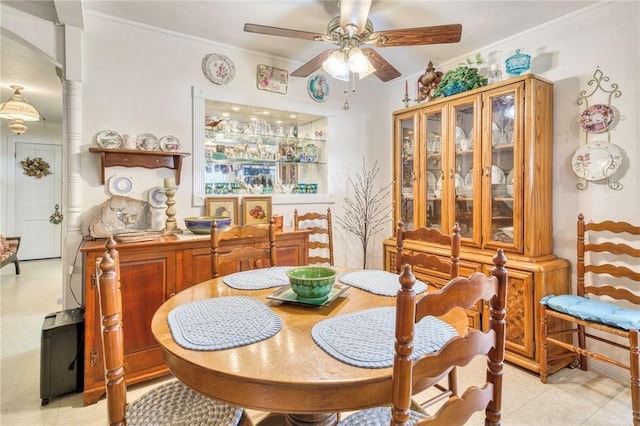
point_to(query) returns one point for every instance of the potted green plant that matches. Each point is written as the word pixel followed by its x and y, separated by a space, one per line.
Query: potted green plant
pixel 464 77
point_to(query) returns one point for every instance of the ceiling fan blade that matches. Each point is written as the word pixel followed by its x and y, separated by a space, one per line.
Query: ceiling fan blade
pixel 417 36
pixel 312 65
pixel 284 32
pixel 354 12
pixel 384 70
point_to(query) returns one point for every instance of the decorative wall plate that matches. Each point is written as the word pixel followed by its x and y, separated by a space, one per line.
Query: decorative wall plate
pixel 120 185
pixel 158 197
pixel 218 68
pixel 596 160
pixel 147 142
pixel 597 118
pixel 318 88
pixel 170 143
pixel 272 79
pixel 109 139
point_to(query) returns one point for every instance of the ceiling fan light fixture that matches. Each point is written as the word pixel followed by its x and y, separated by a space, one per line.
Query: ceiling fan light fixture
pixel 359 64
pixel 17 107
pixel 336 66
pixel 341 63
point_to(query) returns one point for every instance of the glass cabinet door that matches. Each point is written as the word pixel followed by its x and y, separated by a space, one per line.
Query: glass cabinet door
pixel 433 128
pixel 406 152
pixel 464 171
pixel 502 167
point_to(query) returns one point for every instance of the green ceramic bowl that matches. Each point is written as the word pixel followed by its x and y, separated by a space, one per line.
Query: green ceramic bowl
pixel 312 282
pixel 202 224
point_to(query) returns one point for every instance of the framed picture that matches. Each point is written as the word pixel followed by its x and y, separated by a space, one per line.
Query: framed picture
pixel 256 210
pixel 272 79
pixel 222 207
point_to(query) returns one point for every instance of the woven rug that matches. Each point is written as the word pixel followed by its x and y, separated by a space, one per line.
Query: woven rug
pixel 367 338
pixel 258 279
pixel 382 283
pixel 222 323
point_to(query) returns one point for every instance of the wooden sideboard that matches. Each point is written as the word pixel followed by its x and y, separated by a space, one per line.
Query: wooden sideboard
pixel 150 273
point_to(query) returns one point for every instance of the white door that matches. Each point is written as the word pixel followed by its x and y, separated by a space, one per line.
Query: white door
pixel 36 200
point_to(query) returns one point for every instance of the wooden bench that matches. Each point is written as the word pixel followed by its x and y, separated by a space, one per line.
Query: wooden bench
pixel 9 252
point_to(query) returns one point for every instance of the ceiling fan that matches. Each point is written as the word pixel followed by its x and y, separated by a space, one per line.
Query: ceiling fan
pixel 352 29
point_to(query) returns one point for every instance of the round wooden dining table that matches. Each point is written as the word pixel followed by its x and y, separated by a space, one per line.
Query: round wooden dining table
pixel 287 373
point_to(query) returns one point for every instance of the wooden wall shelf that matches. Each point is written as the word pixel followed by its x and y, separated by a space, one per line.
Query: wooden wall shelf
pixel 133 158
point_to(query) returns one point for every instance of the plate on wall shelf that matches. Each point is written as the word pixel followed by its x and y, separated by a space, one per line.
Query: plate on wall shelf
pixel 218 68
pixel 120 185
pixel 597 118
pixel 596 160
pixel 158 197
pixel 147 142
pixel 170 143
pixel 109 139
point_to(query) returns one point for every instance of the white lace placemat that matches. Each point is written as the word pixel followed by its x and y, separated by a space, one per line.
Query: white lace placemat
pixel 222 323
pixel 382 283
pixel 367 338
pixel 258 279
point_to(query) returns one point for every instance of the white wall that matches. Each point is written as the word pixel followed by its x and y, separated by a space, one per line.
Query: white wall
pixel 138 79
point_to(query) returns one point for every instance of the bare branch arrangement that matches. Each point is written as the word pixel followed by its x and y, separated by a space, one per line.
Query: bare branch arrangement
pixel 368 210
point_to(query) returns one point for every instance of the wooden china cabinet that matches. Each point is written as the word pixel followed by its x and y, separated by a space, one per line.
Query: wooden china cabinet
pixel 150 273
pixel 483 159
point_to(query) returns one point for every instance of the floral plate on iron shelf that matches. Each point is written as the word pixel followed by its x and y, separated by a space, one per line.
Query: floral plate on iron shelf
pixel 596 160
pixel 597 118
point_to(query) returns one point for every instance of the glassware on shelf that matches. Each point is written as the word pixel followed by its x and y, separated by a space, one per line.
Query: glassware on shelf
pixel 518 64
pixel 495 74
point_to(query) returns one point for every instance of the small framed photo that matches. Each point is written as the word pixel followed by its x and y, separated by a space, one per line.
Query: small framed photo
pixel 272 79
pixel 222 207
pixel 256 210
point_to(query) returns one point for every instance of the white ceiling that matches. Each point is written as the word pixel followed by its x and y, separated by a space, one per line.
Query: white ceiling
pixel 483 23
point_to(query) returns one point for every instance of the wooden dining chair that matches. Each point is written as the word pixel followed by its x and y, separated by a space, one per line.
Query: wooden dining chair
pixel 321 237
pixel 170 403
pixel 242 257
pixel 458 351
pixel 602 309
pixel 445 268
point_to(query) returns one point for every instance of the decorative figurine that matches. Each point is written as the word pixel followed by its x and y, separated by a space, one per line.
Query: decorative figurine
pixel 428 82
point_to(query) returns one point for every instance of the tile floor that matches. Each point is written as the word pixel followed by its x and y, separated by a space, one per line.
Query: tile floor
pixel 573 397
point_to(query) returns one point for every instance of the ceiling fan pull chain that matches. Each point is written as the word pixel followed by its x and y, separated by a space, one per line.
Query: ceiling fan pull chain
pixel 346 97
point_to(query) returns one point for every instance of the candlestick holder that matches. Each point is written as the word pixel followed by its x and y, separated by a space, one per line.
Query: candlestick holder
pixel 406 100
pixel 171 225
